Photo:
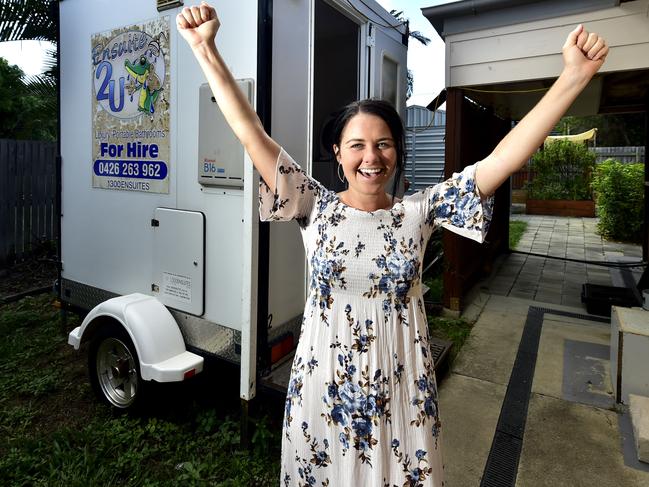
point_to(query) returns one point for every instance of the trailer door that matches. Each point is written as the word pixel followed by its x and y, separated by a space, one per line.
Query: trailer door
pixel 388 63
pixel 336 81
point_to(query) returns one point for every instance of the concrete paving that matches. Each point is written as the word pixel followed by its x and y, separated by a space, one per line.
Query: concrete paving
pixel 570 444
pixel 557 281
pixel 574 434
pixel 469 411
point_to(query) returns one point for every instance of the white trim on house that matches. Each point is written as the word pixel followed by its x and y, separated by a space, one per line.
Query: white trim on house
pixel 532 50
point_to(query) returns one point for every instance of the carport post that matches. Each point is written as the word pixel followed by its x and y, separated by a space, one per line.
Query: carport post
pixel 645 240
pixel 453 163
pixel 643 283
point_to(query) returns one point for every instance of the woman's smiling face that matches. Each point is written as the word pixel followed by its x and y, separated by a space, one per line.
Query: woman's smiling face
pixel 367 153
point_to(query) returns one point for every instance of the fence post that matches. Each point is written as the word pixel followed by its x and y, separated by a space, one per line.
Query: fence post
pixel 4 203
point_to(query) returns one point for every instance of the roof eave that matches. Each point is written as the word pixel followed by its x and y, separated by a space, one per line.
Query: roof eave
pixel 437 15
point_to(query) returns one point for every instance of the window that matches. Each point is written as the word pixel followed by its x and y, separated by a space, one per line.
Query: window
pixel 389 80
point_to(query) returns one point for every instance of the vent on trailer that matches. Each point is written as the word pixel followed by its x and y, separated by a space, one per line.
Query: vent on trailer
pixel 168 4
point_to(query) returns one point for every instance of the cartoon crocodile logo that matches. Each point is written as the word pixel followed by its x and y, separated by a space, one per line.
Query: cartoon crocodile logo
pixel 146 80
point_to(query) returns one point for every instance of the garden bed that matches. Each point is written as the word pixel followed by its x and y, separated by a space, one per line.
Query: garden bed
pixel 560 182
pixel 584 208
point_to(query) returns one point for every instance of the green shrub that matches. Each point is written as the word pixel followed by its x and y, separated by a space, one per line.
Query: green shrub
pixel 619 194
pixel 562 171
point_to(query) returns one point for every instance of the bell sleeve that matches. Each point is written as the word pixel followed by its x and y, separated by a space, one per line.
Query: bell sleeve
pixel 456 204
pixel 295 192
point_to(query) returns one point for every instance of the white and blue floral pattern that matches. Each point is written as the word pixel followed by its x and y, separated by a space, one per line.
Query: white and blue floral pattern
pixel 361 406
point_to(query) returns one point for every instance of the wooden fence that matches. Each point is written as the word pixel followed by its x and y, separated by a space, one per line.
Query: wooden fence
pixel 27 197
pixel 622 154
pixel 519 179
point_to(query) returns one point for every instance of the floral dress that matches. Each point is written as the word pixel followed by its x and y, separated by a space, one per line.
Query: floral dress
pixel 361 407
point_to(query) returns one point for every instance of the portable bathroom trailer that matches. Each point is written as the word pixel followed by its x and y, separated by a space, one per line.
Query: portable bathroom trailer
pixel 161 242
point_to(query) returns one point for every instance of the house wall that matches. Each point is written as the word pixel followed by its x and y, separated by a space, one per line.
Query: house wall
pixel 532 50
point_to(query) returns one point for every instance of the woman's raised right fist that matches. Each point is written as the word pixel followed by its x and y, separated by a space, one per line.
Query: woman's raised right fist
pixel 198 24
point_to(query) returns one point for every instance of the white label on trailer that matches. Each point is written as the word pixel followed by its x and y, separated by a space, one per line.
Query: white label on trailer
pixel 177 287
pixel 130 107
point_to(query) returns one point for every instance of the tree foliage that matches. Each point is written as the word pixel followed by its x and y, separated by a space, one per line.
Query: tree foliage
pixel 28 110
pixel 32 110
pixel 619 130
pixel 414 34
pixel 24 20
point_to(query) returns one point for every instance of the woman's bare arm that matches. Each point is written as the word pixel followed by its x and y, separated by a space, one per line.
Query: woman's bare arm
pixel 198 25
pixel 583 55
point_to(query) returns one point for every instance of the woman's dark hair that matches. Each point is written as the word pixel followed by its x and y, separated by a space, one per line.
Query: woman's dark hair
pixel 389 115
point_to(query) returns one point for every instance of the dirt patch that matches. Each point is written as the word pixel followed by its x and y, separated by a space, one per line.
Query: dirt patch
pixel 36 272
pixel 73 404
pixel 53 389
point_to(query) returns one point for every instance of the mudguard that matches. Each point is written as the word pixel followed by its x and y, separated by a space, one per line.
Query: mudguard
pixel 154 332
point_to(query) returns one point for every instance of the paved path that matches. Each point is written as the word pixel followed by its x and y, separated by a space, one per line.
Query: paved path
pixel 570 433
pixel 557 281
pixel 571 436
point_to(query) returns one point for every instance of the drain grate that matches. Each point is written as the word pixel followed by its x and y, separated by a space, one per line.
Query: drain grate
pixel 579 316
pixel 440 349
pixel 501 468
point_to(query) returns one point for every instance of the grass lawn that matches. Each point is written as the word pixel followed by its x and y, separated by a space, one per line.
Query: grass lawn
pixel 54 432
pixel 516 230
pixel 456 330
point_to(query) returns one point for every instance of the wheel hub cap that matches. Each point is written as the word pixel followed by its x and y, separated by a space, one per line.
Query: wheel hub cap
pixel 117 373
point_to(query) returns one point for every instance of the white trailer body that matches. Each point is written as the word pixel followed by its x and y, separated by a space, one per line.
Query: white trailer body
pixel 234 286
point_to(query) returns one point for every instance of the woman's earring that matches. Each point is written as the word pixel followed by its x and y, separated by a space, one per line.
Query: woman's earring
pixel 341 176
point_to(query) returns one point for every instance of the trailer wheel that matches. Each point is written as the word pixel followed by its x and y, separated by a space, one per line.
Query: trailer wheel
pixel 114 368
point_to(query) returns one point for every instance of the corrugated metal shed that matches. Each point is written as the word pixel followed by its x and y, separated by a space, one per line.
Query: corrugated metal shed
pixel 418 116
pixel 424 147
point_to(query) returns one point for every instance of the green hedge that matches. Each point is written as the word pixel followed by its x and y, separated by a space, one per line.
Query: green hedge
pixel 619 195
pixel 562 171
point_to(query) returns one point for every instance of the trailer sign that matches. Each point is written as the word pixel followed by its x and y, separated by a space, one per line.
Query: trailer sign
pixel 130 73
pixel 177 287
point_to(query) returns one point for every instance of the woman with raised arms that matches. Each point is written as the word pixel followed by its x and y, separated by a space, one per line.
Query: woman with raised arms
pixel 361 407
